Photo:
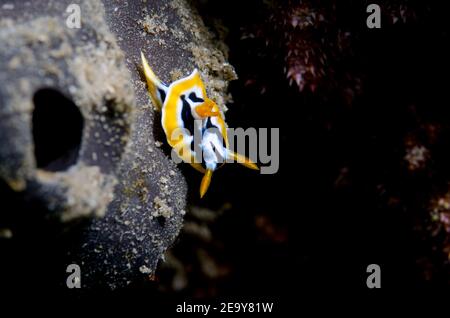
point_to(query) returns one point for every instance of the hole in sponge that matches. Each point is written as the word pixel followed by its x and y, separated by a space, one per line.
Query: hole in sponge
pixel 161 220
pixel 57 130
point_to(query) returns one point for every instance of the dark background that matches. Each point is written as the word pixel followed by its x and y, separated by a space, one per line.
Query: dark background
pixel 346 194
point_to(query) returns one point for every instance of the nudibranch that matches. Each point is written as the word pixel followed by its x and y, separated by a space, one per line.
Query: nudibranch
pixel 183 104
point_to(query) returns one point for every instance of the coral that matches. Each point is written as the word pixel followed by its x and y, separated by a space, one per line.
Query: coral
pixel 310 42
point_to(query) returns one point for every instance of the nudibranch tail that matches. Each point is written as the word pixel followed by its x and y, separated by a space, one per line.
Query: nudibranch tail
pixel 206 180
pixel 156 88
pixel 198 167
pixel 246 162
